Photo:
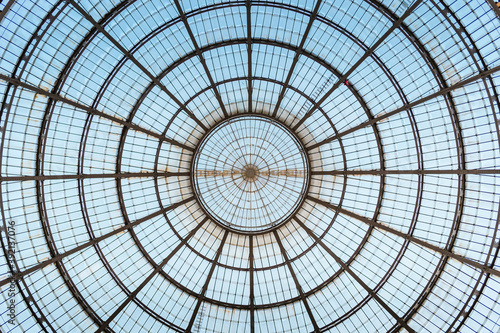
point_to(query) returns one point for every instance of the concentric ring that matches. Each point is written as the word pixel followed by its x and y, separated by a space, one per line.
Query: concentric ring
pixel 250 173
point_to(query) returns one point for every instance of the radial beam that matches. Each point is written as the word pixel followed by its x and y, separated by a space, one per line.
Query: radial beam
pixel 153 78
pixel 408 237
pixel 355 276
pixel 252 292
pixel 93 111
pixel 96 240
pixel 94 176
pixel 408 106
pixel 207 282
pixel 360 61
pixel 296 281
pixel 405 172
pixel 150 277
pixel 296 58
pixel 202 59
pixel 248 5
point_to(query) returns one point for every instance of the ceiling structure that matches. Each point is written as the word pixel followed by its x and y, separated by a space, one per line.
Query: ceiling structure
pixel 250 166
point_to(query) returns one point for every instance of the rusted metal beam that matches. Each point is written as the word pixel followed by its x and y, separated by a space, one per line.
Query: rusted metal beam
pixel 207 282
pixel 248 5
pixel 135 61
pixel 93 111
pixel 83 246
pixel 411 238
pixel 94 176
pixel 406 172
pixel 150 277
pixel 355 277
pixel 252 291
pixel 296 281
pixel 296 58
pixel 361 60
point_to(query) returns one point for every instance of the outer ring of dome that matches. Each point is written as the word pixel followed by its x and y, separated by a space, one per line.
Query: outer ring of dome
pixel 438 274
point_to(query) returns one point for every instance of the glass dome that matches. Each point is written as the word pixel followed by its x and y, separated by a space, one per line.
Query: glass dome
pixel 250 166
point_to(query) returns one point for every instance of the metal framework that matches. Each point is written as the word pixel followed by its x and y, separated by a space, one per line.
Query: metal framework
pixel 253 166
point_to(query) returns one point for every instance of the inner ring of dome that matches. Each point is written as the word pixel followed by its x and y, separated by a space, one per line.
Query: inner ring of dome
pixel 250 173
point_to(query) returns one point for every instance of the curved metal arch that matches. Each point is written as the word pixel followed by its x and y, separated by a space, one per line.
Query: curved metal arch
pixel 497 131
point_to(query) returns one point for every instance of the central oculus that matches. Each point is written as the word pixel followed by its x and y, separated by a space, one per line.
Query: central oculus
pixel 250 173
